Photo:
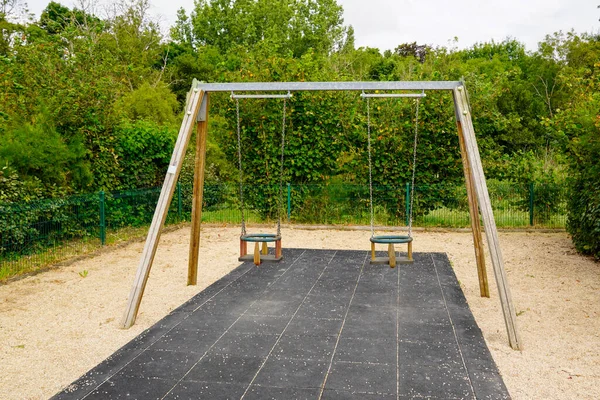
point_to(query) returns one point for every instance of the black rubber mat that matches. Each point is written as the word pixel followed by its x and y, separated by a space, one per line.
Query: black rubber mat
pixel 321 324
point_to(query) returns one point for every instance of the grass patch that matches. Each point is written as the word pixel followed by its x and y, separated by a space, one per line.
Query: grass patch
pixel 39 259
pixel 42 258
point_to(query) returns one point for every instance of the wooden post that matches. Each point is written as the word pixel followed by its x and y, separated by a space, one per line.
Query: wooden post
pixel 392 255
pixel 243 248
pixel 409 252
pixel 199 164
pixel 372 251
pixel 265 248
pixel 160 214
pixel 256 254
pixel 484 289
pixel 476 168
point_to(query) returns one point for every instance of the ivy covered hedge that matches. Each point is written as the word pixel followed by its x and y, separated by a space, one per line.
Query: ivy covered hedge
pixel 581 124
pixel 584 205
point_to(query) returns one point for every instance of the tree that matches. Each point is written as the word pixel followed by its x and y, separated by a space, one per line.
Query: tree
pixel 577 122
pixel 56 18
pixel 293 26
pixel 84 75
pixel 135 42
pixel 37 152
pixel 413 50
pixel 13 10
pixel 148 102
pixel 181 32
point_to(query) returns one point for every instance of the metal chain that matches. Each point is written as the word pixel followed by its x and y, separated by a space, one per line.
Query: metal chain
pixel 370 168
pixel 412 187
pixel 239 140
pixel 280 202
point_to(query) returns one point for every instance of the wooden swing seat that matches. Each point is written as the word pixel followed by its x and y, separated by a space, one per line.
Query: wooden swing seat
pixel 260 254
pixel 391 259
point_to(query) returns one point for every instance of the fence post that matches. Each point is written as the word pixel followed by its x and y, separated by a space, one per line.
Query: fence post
pixel 531 203
pixel 289 202
pixel 407 203
pixel 102 219
pixel 179 205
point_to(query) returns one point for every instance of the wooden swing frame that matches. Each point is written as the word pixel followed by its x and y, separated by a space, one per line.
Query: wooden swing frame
pixel 196 113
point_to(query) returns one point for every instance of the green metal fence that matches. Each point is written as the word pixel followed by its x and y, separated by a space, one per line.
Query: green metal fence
pixel 515 206
pixel 39 233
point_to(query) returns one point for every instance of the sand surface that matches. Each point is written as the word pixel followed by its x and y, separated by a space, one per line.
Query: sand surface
pixel 57 325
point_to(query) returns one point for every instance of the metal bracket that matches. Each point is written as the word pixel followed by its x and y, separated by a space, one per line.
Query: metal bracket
pixel 261 96
pixel 202 112
pixel 391 95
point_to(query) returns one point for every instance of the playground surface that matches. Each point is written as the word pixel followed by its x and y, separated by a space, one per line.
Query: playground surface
pixel 321 324
pixel 57 325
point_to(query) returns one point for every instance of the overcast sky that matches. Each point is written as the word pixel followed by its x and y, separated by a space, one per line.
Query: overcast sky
pixel 386 23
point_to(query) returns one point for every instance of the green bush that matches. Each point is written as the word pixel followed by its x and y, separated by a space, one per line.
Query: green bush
pixel 29 227
pixel 144 150
pixel 43 158
pixel 154 103
pixel 583 221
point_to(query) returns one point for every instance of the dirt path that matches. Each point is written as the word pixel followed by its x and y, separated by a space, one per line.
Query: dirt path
pixel 57 325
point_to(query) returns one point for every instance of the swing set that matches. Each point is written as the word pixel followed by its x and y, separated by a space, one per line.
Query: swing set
pixel 196 113
pixel 260 254
pixel 390 240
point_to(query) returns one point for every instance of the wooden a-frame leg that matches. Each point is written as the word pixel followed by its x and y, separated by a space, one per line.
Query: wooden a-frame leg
pixel 392 255
pixel 463 116
pixel 484 289
pixel 160 213
pixel 199 166
pixel 256 253
pixel 265 248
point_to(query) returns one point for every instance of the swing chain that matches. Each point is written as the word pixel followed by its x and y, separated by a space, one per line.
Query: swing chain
pixel 239 140
pixel 280 202
pixel 412 187
pixel 370 167
pixel 412 191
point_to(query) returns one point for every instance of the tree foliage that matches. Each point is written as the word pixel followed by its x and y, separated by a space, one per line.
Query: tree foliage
pixel 84 75
pixel 143 149
pixel 90 102
pixel 578 124
pixel 288 26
